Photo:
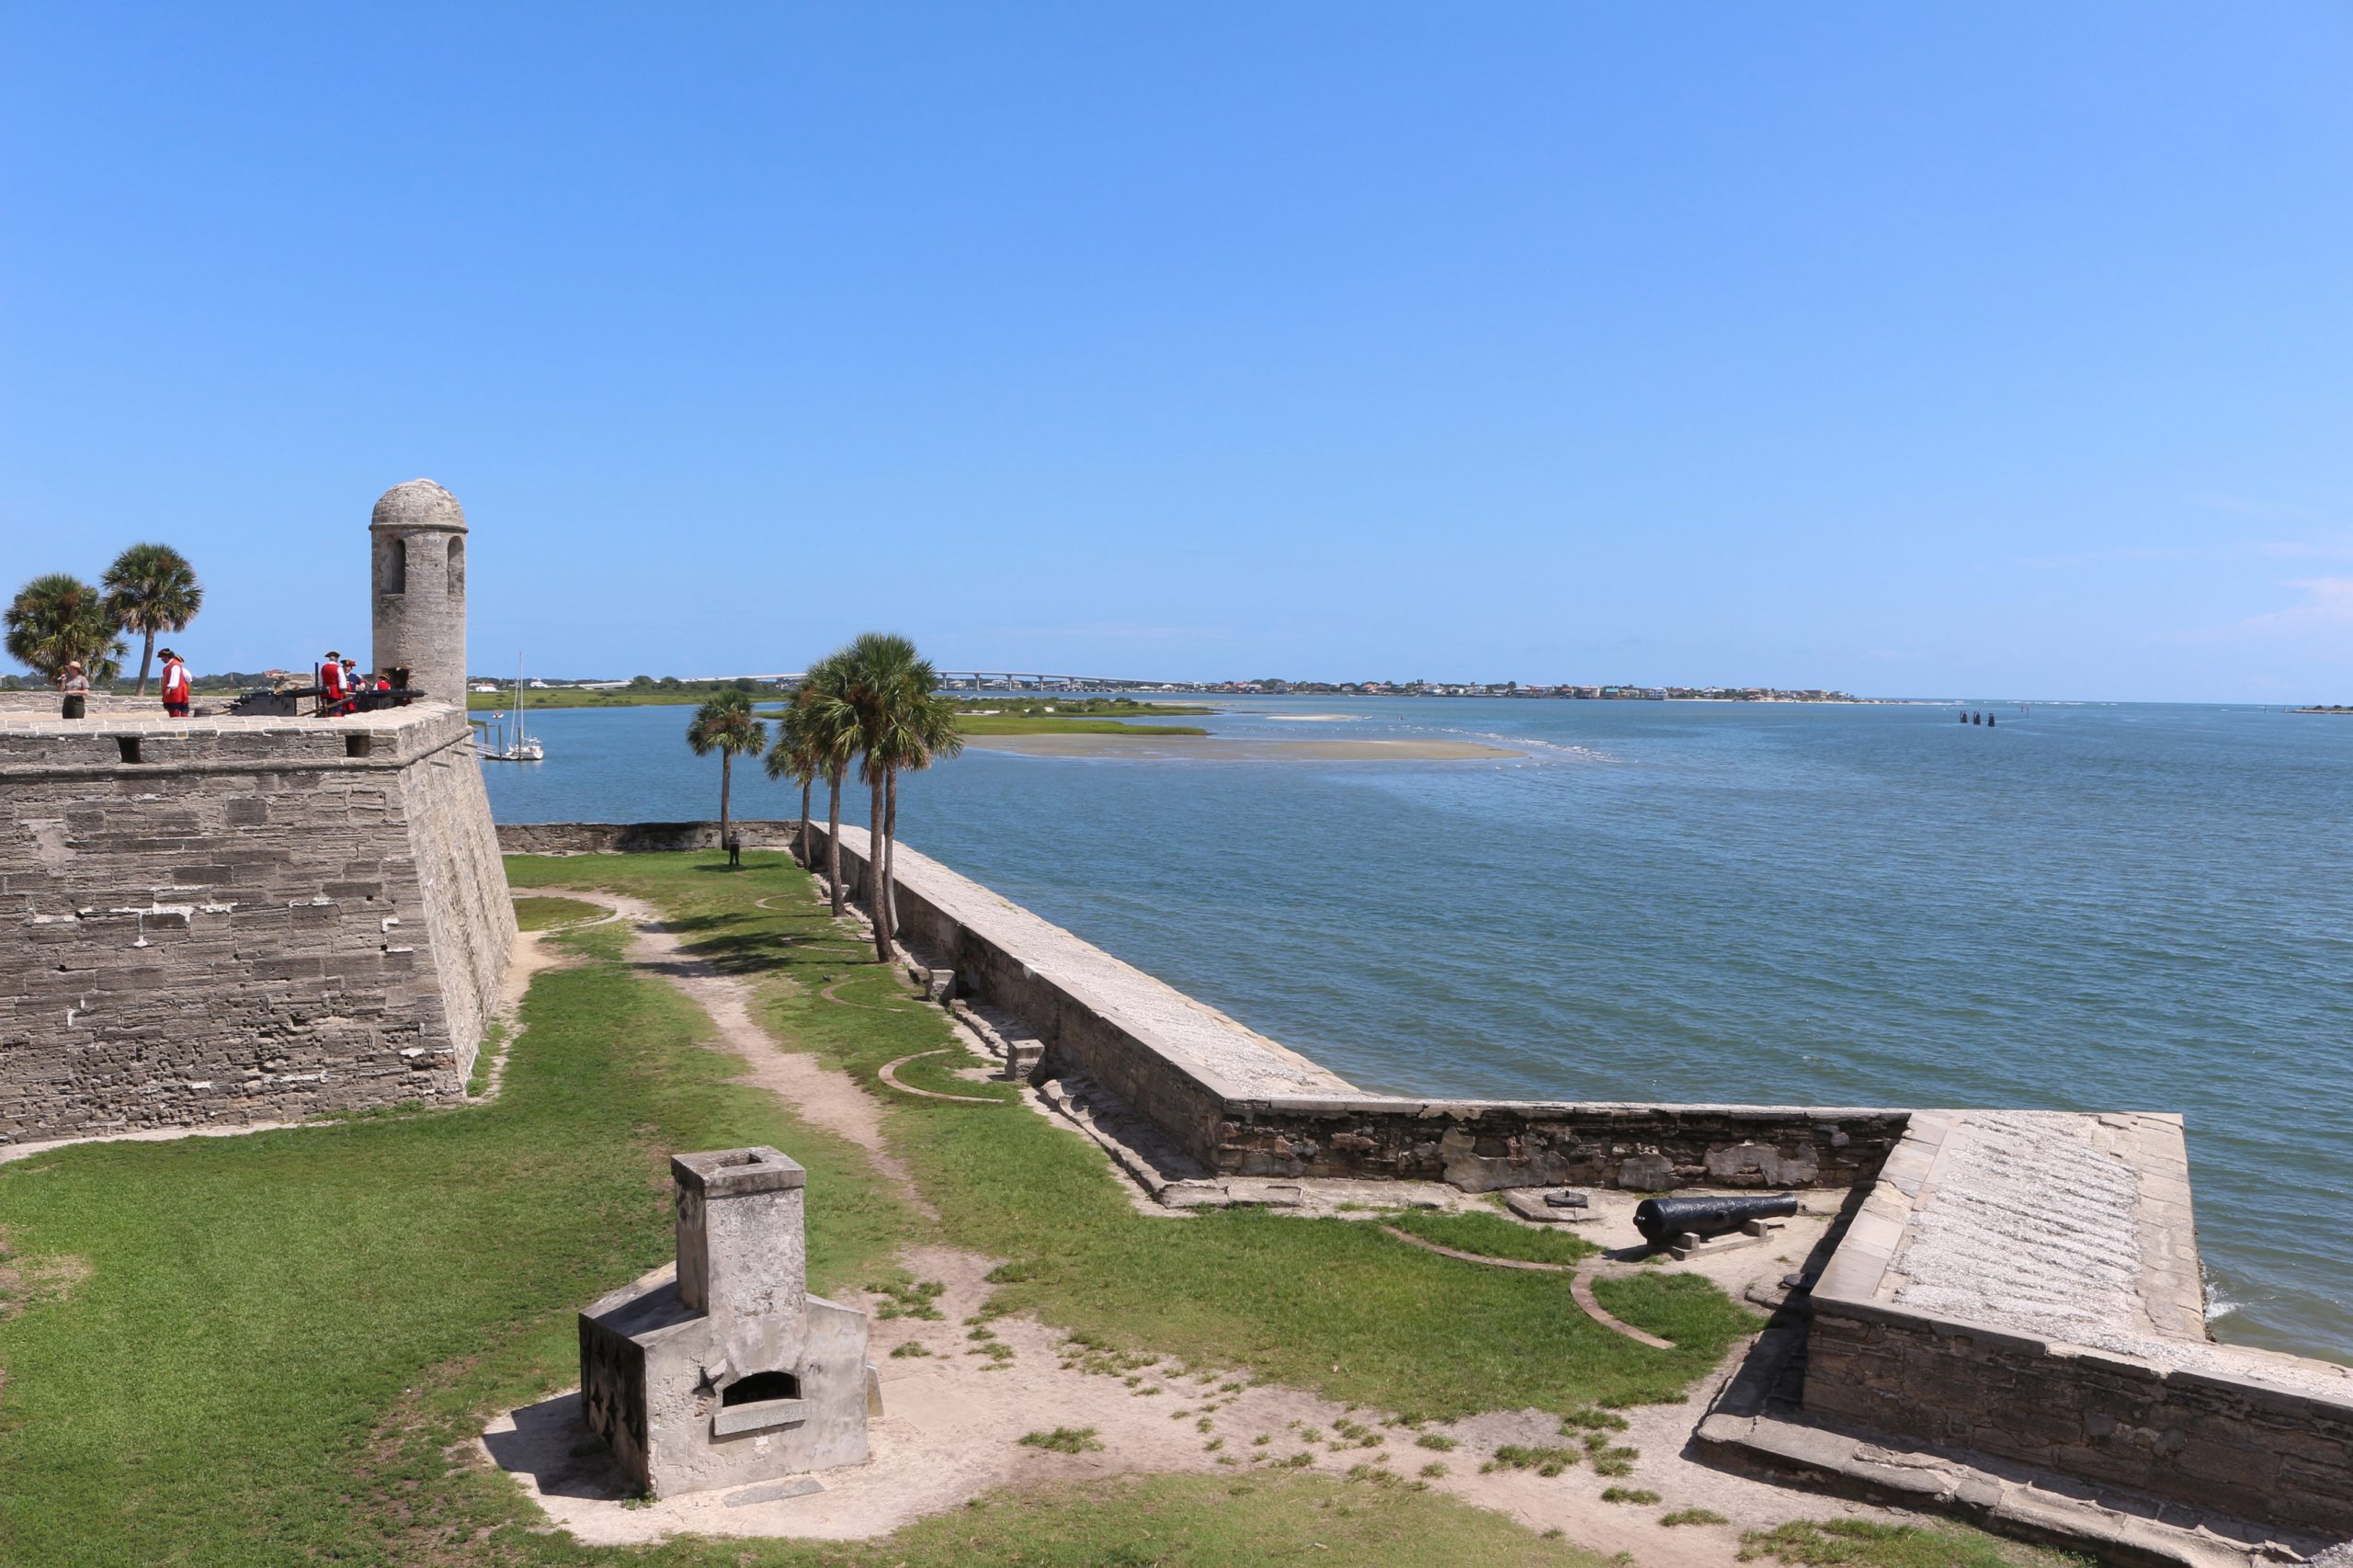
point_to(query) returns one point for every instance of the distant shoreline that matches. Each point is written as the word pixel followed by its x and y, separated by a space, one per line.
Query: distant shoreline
pixel 1143 747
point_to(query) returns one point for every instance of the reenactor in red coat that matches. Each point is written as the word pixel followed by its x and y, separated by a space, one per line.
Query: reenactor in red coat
pixel 331 683
pixel 175 686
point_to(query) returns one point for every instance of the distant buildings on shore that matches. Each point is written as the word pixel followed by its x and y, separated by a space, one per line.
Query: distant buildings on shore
pixel 1514 689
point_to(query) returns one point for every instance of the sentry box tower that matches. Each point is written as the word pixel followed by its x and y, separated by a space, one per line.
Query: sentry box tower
pixel 729 1372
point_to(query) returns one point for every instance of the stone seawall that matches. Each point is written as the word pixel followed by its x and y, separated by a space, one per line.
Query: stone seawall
pixel 634 837
pixel 1242 1105
pixel 242 919
pixel 2025 1285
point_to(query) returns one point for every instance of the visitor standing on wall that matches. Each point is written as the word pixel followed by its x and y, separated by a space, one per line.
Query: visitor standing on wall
pixel 76 686
pixel 174 685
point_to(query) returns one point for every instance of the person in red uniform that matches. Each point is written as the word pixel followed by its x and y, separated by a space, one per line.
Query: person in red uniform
pixel 354 683
pixel 331 683
pixel 174 685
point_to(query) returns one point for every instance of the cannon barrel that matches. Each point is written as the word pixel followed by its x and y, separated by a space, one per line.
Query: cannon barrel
pixel 1662 1218
pixel 370 701
pixel 274 704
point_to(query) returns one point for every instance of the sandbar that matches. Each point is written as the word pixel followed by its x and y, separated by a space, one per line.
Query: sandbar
pixel 1215 748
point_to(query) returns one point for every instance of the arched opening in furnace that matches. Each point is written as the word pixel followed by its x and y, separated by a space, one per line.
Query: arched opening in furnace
pixel 758 1388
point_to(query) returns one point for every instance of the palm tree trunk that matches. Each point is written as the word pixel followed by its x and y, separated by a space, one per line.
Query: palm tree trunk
pixel 889 842
pixel 146 657
pixel 726 780
pixel 834 839
pixel 877 901
pixel 807 786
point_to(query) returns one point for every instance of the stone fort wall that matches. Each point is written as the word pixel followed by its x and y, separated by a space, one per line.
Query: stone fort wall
pixel 635 837
pixel 230 920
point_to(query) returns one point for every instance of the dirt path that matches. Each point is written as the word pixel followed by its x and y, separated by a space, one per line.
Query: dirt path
pixel 957 1407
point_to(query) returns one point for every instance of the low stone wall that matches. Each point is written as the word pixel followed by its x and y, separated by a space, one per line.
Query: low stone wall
pixel 49 704
pixel 1326 1126
pixel 1076 1031
pixel 2208 1440
pixel 634 837
pixel 2025 1286
pixel 1480 1145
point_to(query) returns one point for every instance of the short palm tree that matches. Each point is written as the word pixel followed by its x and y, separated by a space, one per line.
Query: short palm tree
pixel 724 724
pixel 59 617
pixel 792 758
pixel 152 589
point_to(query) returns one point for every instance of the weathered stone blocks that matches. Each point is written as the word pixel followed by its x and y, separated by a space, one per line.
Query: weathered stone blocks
pixel 248 924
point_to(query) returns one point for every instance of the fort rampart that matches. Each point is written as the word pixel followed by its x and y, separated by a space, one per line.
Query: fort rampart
pixel 242 919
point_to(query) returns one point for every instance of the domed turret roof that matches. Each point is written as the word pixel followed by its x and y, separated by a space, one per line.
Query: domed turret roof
pixel 419 504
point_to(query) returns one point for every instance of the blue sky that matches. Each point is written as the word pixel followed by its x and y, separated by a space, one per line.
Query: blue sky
pixel 1977 350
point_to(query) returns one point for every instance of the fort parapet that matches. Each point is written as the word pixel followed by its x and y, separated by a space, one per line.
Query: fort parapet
pixel 230 920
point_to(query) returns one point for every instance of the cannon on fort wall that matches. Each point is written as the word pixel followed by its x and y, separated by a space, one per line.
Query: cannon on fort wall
pixel 1661 1220
pixel 289 702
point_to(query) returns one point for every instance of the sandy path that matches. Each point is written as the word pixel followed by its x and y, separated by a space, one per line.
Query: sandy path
pixel 954 1414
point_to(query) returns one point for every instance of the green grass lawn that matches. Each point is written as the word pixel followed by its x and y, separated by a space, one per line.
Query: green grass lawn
pixel 1864 1543
pixel 540 913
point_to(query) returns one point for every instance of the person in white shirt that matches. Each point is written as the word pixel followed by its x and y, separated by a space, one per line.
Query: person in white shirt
pixel 175 686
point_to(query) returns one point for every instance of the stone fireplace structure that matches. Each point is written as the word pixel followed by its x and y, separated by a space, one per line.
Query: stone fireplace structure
pixel 727 1372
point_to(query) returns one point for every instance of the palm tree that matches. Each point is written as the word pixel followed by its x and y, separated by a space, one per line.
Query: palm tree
pixel 724 724
pixel 924 731
pixel 832 727
pixel 792 758
pixel 59 617
pixel 903 724
pixel 152 589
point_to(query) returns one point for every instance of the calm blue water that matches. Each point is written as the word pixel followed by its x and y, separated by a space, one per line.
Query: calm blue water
pixel 2095 906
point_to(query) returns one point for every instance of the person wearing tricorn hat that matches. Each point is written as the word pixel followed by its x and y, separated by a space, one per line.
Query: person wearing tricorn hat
pixel 175 686
pixel 354 683
pixel 331 683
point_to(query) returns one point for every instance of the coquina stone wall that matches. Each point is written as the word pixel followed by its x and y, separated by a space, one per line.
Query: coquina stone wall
pixel 1235 1128
pixel 2207 1439
pixel 2026 1286
pixel 242 919
pixel 635 837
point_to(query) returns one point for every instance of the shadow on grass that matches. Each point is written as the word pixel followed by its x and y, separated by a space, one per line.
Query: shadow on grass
pixel 551 1444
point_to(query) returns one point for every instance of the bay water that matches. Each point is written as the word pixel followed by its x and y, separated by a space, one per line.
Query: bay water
pixel 2088 906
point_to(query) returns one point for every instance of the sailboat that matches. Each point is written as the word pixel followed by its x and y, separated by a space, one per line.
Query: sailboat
pixel 518 746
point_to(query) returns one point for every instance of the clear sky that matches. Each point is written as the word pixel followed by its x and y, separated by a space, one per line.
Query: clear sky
pixel 2000 349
